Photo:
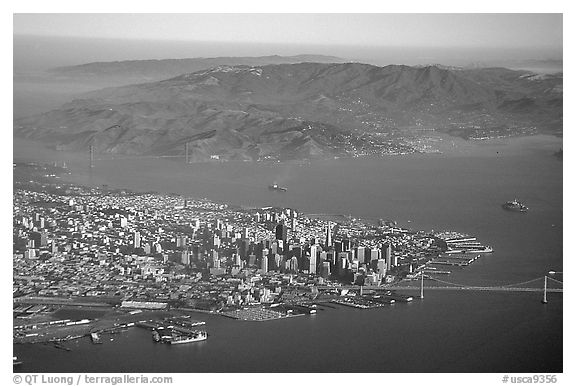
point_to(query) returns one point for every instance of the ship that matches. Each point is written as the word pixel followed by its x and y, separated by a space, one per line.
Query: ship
pixel 95 338
pixel 194 337
pixel 277 188
pixel 515 206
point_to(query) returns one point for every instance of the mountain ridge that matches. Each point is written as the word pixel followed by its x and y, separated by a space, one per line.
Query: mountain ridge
pixel 303 110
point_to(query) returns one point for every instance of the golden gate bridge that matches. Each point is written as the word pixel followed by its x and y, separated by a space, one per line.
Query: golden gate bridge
pixel 186 156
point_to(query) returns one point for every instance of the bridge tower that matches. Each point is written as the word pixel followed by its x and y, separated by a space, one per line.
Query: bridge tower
pixel 544 300
pixel 422 284
pixel 91 156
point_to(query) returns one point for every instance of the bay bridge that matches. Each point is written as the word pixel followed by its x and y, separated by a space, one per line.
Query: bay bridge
pixel 544 284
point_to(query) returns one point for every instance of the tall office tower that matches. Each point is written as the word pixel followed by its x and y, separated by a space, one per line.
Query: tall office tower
pixel 329 234
pixel 313 259
pixel 30 253
pixel 281 232
pixel 387 255
pixel 136 243
pixel 332 258
pixel 277 262
pixel 346 245
pixel 185 259
pixel 252 260
pixel 242 248
pixel 294 264
pixel 337 246
pixel 382 268
pixel 325 269
pixel 264 265
pixel 342 263
pixel 360 252
pixel 374 254
pixel 43 239
pixel 293 225
pixel 181 241
pixel 265 254
pixel 297 252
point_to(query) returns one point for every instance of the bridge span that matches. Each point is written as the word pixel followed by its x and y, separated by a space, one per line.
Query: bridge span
pixel 447 286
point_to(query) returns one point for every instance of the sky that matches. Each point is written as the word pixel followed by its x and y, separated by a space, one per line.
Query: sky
pixel 372 29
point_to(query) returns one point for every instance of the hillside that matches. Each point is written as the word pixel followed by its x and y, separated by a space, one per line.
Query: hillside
pixel 303 110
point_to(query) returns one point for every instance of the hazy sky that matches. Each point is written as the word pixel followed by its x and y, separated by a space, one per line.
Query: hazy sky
pixel 417 30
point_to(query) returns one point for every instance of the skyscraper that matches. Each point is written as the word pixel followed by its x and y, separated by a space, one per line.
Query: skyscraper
pixel 329 234
pixel 382 268
pixel 136 239
pixel 294 264
pixel 374 254
pixel 346 245
pixel 281 232
pixel 313 259
pixel 185 259
pixel 325 269
pixel 387 255
pixel 360 252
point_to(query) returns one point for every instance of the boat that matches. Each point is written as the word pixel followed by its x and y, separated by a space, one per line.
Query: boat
pixel 16 362
pixel 515 206
pixel 277 188
pixel 194 337
pixel 486 249
pixel 156 336
pixel 95 338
